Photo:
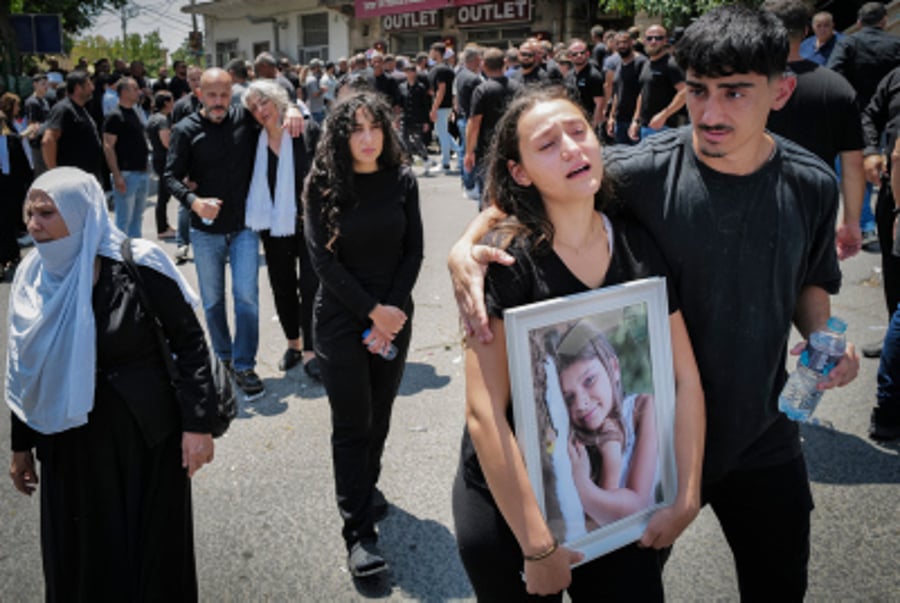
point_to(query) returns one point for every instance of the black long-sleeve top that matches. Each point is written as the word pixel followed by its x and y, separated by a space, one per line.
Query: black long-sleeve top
pixel 218 157
pixel 864 58
pixel 882 114
pixel 130 363
pixel 378 253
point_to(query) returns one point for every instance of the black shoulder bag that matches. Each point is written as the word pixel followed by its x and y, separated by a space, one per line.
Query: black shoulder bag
pixel 226 400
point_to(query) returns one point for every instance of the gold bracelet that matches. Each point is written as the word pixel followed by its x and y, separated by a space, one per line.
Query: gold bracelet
pixel 544 554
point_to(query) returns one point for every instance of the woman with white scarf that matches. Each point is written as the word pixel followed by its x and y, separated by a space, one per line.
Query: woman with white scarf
pixel 88 389
pixel 274 210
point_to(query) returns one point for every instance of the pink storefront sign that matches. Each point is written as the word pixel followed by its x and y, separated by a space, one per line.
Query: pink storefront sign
pixel 380 8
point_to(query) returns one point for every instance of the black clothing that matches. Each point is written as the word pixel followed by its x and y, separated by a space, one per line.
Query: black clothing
pixel 160 84
pixel 627 86
pixel 79 143
pixel 658 80
pixel 442 73
pixel 157 123
pixel 764 514
pixel 589 84
pixel 599 54
pixel 490 552
pixel 179 87
pixel 13 188
pixel 821 115
pixel 490 100
pixel 864 58
pixel 131 141
pixel 375 259
pixel 218 157
pixel 882 115
pixel 387 86
pixel 36 110
pixel 416 102
pixel 115 501
pixel 291 274
pixel 466 82
pixel 535 76
pixel 738 268
pixel 185 106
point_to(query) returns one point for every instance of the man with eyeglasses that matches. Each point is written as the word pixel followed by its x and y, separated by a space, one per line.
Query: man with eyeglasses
pixel 588 81
pixel 662 87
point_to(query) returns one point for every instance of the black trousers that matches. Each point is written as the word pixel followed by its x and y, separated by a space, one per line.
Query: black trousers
pixel 162 200
pixel 890 264
pixel 414 139
pixel 764 514
pixel 493 560
pixel 293 292
pixel 361 388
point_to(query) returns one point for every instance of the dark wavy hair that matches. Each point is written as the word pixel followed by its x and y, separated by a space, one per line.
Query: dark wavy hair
pixel 527 220
pixel 331 176
pixel 734 39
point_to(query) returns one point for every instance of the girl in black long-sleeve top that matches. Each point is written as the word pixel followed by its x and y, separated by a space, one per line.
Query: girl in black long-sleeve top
pixel 364 233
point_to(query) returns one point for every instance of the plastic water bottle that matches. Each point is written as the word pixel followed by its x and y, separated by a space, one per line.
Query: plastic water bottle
pixel 799 398
pixel 388 354
pixel 207 221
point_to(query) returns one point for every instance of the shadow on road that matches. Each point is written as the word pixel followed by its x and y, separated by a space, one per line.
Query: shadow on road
pixel 834 457
pixel 418 377
pixel 424 563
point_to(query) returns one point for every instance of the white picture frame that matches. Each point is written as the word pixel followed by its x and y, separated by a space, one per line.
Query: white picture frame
pixel 634 317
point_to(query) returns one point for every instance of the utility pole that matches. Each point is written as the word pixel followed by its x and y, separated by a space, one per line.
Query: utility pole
pixel 127 12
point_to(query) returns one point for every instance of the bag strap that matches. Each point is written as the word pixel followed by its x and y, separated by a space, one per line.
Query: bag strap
pixel 134 273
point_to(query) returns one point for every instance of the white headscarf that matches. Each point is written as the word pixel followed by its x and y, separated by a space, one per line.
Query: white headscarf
pixel 52 338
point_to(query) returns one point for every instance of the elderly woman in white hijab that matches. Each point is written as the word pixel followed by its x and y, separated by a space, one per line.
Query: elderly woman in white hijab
pixel 274 211
pixel 88 389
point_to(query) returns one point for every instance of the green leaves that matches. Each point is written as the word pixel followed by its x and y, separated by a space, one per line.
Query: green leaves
pixel 673 12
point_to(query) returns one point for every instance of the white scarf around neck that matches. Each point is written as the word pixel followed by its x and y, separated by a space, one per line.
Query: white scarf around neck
pixel 279 217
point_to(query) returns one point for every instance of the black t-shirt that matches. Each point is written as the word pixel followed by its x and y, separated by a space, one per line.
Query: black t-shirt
pixel 658 80
pixel 416 103
pixel 628 86
pixel 538 276
pixel 79 143
pixel 131 142
pixel 185 106
pixel 740 249
pixel 36 110
pixel 882 115
pixel 387 86
pixel 821 115
pixel 589 83
pixel 490 100
pixel 179 87
pixel 535 76
pixel 466 82
pixel 442 73
pixel 156 124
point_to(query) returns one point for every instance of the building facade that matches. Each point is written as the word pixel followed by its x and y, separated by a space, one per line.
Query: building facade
pixel 328 29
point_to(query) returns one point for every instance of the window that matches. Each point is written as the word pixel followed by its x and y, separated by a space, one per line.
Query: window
pixel 227 50
pixel 313 37
pixel 260 47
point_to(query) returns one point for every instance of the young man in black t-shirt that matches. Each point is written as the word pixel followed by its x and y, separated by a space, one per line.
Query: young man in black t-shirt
pixel 588 82
pixel 125 147
pixel 36 110
pixel 746 223
pixel 70 136
pixel 662 87
pixel 440 78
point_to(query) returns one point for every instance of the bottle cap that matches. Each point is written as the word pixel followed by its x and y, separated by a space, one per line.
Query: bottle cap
pixel 836 324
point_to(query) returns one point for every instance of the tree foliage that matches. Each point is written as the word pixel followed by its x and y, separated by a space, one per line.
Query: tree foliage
pixel 148 49
pixel 673 12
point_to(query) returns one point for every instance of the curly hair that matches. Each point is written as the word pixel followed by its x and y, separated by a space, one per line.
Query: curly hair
pixel 528 222
pixel 331 177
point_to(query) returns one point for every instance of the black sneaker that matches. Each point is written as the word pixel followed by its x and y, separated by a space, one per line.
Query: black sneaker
pixel 249 383
pixel 290 359
pixel 365 559
pixel 881 429
pixel 380 505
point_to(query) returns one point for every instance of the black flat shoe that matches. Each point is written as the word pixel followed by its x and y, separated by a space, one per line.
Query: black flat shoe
pixel 290 359
pixel 365 559
pixel 312 369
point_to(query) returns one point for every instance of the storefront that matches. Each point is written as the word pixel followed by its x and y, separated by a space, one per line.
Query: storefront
pixel 501 24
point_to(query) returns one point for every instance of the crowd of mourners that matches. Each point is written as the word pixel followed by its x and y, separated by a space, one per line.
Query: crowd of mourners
pixel 593 162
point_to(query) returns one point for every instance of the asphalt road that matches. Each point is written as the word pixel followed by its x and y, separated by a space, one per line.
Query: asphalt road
pixel 267 529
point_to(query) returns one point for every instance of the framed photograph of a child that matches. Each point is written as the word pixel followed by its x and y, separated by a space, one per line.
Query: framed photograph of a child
pixel 593 393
